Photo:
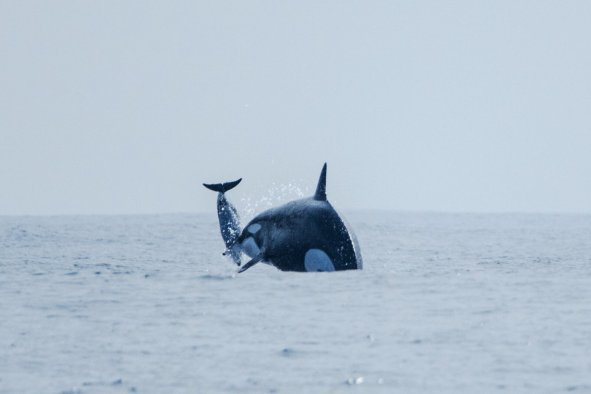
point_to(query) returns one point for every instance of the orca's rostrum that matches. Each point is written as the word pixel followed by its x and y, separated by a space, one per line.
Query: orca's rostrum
pixel 305 235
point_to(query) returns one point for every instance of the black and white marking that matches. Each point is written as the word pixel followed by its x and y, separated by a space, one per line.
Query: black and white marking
pixel 306 235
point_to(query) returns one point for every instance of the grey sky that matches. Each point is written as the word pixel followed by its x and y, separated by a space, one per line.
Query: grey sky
pixel 126 107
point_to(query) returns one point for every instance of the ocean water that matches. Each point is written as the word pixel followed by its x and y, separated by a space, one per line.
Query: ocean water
pixel 447 303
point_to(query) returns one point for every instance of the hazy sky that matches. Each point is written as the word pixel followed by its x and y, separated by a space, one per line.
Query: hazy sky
pixel 127 106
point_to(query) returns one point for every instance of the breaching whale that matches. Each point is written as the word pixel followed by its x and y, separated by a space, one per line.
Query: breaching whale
pixel 306 235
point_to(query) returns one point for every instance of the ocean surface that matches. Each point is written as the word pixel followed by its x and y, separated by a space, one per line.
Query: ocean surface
pixel 446 303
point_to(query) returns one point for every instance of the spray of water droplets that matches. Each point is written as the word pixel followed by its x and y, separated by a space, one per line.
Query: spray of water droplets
pixel 276 195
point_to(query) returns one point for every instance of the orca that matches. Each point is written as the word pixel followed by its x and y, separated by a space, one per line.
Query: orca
pixel 306 235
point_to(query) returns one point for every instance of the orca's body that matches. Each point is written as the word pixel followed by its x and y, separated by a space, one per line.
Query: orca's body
pixel 305 235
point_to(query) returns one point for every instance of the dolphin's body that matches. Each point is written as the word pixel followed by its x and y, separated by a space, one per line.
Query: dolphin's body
pixel 228 218
pixel 305 235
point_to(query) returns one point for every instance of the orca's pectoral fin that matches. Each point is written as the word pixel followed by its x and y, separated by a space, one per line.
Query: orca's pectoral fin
pixel 256 259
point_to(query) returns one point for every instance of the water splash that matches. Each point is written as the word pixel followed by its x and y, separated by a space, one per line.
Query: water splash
pixel 276 195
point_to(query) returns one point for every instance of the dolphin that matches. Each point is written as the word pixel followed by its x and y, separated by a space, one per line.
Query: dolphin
pixel 305 235
pixel 228 218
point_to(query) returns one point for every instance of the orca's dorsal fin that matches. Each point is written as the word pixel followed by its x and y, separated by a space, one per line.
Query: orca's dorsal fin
pixel 320 194
pixel 222 187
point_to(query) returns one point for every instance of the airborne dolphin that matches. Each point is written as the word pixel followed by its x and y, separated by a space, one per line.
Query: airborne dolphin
pixel 228 217
pixel 302 235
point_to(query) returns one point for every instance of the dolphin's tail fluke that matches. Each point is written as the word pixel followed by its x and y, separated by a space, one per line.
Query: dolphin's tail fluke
pixel 222 187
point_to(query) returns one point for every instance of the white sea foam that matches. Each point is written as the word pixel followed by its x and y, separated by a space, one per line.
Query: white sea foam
pixel 446 304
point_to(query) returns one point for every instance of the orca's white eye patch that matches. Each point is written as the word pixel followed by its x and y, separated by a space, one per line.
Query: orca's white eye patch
pixel 253 228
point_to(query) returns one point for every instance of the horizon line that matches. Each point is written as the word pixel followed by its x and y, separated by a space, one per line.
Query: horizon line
pixel 353 210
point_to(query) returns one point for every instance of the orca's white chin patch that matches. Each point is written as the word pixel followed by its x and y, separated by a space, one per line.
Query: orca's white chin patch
pixel 250 247
pixel 317 261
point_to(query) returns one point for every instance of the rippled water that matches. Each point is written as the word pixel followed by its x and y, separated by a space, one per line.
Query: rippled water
pixel 447 303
